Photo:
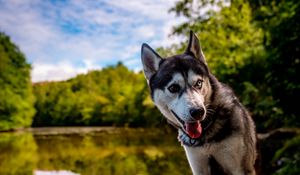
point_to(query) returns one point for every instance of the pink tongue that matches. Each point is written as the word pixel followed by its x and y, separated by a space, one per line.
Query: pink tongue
pixel 194 130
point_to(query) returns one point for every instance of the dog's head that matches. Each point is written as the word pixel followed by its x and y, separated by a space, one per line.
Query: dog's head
pixel 180 85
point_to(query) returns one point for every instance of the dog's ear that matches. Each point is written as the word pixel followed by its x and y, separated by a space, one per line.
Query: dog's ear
pixel 150 60
pixel 194 48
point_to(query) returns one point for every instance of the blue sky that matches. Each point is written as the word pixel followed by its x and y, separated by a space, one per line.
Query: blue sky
pixel 62 38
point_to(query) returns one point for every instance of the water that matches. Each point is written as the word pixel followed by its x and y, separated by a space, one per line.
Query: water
pixel 96 151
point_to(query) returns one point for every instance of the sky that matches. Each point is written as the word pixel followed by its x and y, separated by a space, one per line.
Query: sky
pixel 63 38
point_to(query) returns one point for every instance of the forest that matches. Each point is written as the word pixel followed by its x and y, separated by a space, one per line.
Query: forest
pixel 251 45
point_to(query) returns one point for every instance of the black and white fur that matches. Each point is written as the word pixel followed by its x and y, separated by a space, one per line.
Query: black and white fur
pixel 227 144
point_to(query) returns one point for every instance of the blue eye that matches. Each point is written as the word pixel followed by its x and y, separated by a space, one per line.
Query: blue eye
pixel 174 88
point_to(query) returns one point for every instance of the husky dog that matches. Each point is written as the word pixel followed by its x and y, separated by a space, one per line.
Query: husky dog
pixel 215 129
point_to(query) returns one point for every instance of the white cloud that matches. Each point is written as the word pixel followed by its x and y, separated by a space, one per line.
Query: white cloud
pixel 62 40
pixel 54 72
pixel 145 31
pixel 155 9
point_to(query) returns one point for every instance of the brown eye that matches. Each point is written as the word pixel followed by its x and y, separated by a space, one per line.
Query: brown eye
pixel 198 84
pixel 174 88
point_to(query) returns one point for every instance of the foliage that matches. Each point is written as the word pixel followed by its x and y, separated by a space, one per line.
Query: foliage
pixel 16 98
pixel 280 21
pixel 252 46
pixel 112 96
pixel 288 157
pixel 233 46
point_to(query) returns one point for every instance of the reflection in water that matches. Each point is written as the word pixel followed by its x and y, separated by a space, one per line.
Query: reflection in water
pixel 17 153
pixel 121 152
pixel 61 172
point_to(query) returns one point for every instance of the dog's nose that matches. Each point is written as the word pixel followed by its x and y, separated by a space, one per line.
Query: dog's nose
pixel 197 113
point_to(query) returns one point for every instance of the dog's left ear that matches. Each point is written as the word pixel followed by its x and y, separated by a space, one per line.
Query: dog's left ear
pixel 194 48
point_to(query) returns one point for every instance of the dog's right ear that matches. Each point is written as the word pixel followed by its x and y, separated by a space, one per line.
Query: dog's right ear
pixel 150 60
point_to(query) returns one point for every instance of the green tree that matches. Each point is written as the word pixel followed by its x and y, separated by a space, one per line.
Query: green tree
pixel 113 96
pixel 16 98
pixel 234 50
pixel 252 46
pixel 281 25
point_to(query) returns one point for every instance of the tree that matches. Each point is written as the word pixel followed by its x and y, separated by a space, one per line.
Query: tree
pixel 111 96
pixel 280 21
pixel 16 98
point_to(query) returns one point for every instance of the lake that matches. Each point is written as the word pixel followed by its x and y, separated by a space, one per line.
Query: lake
pixel 91 151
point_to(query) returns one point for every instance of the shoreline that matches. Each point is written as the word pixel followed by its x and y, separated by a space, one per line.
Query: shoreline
pixel 67 130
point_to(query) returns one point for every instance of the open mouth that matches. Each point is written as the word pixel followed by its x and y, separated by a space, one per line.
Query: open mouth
pixel 193 129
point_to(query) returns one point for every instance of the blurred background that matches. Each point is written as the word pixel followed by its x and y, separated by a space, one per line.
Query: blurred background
pixel 73 98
